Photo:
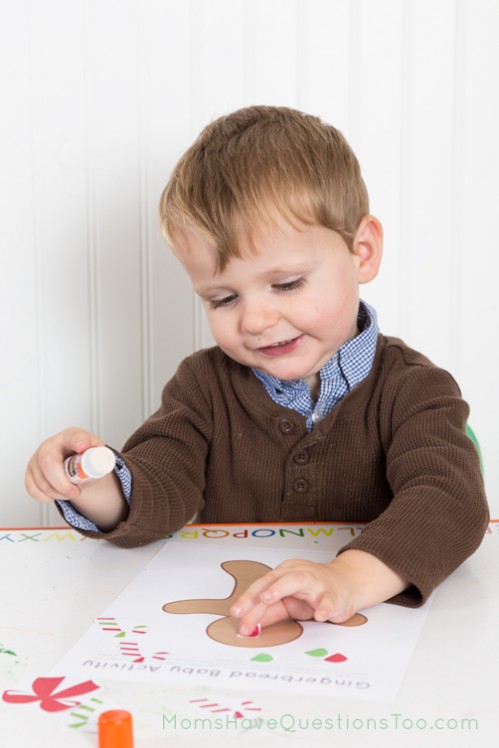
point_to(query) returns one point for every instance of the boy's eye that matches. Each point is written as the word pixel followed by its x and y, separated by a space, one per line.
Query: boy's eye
pixel 290 285
pixel 219 303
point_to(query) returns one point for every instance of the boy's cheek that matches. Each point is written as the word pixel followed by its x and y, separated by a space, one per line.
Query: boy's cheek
pixel 219 328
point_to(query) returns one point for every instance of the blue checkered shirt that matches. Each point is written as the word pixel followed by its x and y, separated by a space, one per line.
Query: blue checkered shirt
pixel 344 371
pixel 347 368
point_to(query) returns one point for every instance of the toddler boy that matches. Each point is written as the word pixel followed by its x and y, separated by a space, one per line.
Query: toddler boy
pixel 303 411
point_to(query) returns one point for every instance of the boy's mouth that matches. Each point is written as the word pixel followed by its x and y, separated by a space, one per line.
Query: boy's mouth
pixel 279 349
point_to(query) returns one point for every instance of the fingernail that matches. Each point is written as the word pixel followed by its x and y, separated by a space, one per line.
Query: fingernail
pixel 253 635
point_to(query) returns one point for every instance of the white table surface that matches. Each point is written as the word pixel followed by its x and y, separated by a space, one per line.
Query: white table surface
pixel 53 590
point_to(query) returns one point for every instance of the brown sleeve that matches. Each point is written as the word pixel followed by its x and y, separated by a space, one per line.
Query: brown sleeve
pixel 438 514
pixel 167 460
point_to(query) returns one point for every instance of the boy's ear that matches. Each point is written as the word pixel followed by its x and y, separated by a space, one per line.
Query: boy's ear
pixel 368 247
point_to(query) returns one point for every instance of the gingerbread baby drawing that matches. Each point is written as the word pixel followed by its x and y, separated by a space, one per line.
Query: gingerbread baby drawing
pixel 224 629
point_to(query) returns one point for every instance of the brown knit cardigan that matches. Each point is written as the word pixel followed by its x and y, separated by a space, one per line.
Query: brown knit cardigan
pixel 393 453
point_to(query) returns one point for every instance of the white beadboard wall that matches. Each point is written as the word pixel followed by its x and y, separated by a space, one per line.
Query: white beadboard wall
pixel 98 100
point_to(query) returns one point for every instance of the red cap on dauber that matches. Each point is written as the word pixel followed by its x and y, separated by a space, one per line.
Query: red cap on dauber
pixel 115 729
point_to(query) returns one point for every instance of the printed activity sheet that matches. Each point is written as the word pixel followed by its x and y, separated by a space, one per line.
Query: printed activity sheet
pixel 172 624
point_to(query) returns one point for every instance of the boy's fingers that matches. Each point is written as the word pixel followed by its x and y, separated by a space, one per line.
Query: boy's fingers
pixel 45 477
pixel 42 490
pixel 297 609
pixel 329 608
pixel 294 583
pixel 250 621
pixel 247 601
pixel 253 595
pixel 262 615
pixel 326 610
pixel 33 489
pixel 266 616
pixel 51 478
pixel 82 440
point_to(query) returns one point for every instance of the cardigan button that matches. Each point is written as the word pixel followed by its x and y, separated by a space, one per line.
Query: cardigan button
pixel 301 485
pixel 286 426
pixel 301 457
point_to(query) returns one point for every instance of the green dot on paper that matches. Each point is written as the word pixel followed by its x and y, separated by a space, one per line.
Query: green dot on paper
pixel 321 652
pixel 262 657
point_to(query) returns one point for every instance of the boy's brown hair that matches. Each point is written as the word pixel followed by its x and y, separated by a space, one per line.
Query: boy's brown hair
pixel 249 167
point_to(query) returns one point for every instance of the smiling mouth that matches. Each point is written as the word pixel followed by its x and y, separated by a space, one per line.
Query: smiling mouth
pixel 283 342
pixel 284 346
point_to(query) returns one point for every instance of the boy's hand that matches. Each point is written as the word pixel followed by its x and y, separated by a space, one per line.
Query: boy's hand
pixel 101 501
pixel 302 590
pixel 45 478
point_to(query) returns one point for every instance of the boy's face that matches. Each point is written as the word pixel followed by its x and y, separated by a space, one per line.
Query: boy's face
pixel 289 307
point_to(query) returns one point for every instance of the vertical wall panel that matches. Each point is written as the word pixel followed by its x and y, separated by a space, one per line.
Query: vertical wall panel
pixel 377 138
pixel 327 84
pixel 65 339
pixel 112 96
pixel 478 360
pixel 431 149
pixel 166 127
pixel 272 74
pixel 60 214
pixel 19 399
pixel 217 56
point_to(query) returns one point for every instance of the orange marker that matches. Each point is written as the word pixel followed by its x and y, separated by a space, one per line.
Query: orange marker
pixel 115 729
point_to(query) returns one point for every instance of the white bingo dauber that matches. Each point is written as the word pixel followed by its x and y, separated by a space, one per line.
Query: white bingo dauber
pixel 92 464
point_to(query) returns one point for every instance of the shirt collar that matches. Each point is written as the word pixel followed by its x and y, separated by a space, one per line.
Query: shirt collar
pixel 352 362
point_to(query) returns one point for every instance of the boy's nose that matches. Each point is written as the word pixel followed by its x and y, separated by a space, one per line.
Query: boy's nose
pixel 257 317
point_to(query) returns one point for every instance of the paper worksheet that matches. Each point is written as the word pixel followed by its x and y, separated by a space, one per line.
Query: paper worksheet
pixel 171 624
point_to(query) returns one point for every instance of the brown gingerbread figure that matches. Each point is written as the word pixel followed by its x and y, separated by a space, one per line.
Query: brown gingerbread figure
pixel 224 630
